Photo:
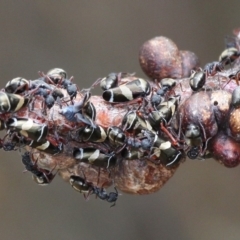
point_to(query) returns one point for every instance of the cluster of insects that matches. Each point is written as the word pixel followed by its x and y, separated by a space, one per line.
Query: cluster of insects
pixel 144 133
pixel 155 126
pixel 226 58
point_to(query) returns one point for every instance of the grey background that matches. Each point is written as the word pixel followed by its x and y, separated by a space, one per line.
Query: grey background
pixel 90 39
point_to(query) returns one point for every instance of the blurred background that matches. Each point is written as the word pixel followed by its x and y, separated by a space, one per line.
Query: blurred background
pixel 90 40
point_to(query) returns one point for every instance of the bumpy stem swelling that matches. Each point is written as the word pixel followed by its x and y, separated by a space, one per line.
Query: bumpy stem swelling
pixel 209 109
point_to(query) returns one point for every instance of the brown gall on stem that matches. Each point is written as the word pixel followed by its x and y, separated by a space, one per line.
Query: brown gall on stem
pixel 197 110
pixel 225 150
pixel 160 58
